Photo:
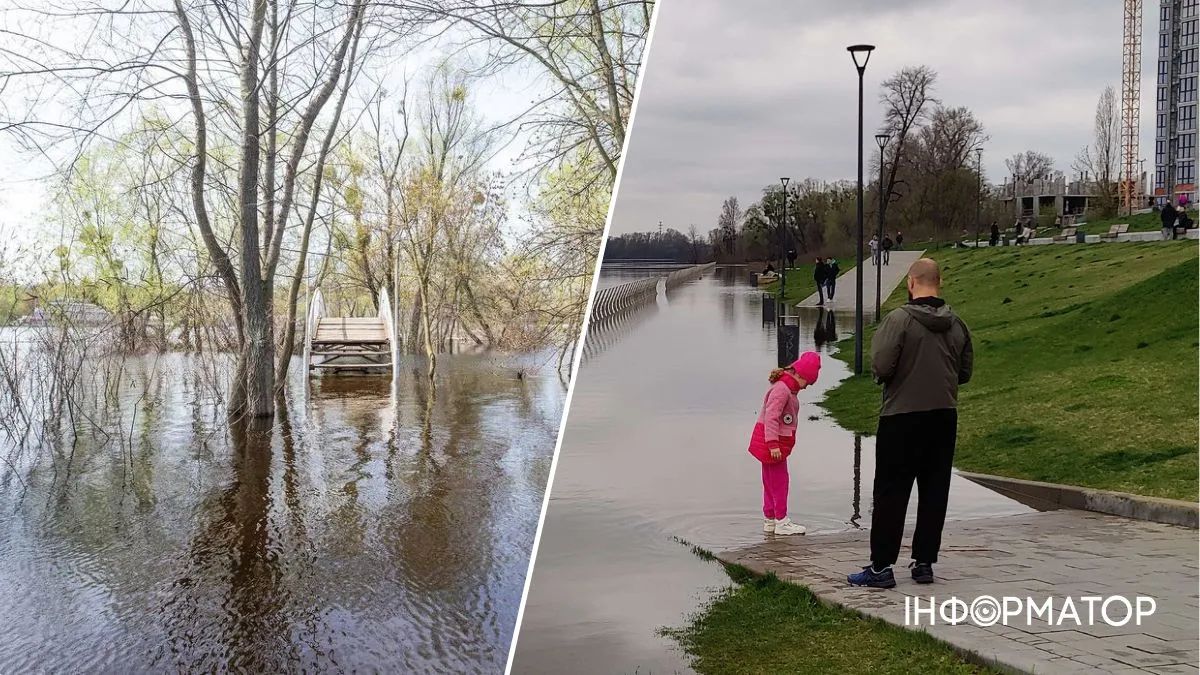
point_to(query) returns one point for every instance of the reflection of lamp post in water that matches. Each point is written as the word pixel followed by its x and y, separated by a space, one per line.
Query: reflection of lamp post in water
pixel 855 51
pixel 857 480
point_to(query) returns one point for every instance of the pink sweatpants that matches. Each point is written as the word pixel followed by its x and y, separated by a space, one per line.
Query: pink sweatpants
pixel 775 490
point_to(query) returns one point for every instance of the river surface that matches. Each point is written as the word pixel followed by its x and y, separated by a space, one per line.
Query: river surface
pixel 358 532
pixel 655 452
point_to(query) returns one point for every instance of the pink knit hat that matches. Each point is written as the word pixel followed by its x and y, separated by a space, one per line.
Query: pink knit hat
pixel 808 366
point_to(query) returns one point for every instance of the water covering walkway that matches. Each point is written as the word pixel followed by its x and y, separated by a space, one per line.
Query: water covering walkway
pixel 655 448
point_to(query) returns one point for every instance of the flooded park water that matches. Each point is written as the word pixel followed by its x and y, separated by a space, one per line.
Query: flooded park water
pixel 357 531
pixel 654 454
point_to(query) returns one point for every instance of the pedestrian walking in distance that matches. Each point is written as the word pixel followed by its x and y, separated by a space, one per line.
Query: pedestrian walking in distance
pixel 820 271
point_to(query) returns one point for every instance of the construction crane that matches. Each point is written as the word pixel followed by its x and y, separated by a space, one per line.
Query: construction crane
pixel 1131 100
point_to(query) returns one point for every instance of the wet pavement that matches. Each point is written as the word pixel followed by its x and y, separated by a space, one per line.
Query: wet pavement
pixel 359 532
pixel 655 450
pixel 1046 557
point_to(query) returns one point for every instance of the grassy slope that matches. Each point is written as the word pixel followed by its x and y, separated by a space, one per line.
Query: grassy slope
pixel 1142 222
pixel 1086 365
pixel 764 625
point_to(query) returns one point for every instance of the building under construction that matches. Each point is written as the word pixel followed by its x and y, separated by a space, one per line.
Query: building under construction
pixel 1175 123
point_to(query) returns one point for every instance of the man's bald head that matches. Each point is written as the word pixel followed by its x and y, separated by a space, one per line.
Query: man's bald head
pixel 924 279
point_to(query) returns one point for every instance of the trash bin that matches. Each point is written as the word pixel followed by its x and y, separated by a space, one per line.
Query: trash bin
pixel 768 308
pixel 1080 237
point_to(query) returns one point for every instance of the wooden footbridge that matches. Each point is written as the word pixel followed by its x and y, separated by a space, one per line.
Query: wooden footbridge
pixel 350 344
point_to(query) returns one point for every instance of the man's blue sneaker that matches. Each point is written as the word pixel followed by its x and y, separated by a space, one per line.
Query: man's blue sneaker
pixel 873 579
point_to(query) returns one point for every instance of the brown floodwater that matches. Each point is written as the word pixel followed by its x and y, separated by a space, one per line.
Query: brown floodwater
pixel 359 531
pixel 654 451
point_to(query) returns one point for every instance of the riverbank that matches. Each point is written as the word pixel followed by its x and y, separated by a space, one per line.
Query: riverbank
pixel 1085 365
pixel 763 625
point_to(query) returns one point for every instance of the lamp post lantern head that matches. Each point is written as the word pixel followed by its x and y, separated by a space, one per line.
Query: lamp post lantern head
pixel 785 180
pixel 882 140
pixel 864 51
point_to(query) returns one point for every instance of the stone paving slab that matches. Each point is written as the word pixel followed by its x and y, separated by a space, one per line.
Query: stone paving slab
pixel 1053 554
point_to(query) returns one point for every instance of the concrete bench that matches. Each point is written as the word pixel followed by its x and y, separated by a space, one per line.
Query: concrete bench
pixel 1068 234
pixel 1115 232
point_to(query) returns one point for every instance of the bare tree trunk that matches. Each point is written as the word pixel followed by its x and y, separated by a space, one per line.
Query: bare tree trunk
pixel 257 353
pixel 289 340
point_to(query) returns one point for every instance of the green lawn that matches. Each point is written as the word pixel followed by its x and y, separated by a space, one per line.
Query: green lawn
pixel 800 284
pixel 1086 365
pixel 763 625
pixel 1142 222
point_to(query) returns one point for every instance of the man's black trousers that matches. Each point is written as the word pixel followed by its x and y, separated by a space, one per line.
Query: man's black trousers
pixel 911 447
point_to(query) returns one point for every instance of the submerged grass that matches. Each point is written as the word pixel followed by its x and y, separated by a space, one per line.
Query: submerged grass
pixel 764 625
pixel 1086 365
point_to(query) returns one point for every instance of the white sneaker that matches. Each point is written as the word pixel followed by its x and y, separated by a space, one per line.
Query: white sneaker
pixel 768 525
pixel 786 526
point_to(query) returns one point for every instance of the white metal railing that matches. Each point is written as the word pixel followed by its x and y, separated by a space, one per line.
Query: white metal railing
pixel 389 328
pixel 316 310
pixel 687 274
pixel 615 299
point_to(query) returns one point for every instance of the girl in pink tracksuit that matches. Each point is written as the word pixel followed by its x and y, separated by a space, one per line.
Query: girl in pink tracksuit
pixel 774 437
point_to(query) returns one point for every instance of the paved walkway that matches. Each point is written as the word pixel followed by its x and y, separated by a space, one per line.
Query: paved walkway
pixel 893 275
pixel 1041 555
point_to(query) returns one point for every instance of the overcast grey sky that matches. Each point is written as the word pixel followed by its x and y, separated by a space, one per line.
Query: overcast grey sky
pixel 737 94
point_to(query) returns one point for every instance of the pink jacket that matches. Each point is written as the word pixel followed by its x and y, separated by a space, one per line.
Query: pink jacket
pixel 776 425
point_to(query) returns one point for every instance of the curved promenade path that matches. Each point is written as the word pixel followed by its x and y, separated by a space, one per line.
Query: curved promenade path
pixel 893 275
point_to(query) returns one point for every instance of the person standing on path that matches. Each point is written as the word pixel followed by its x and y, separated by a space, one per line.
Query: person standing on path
pixel 874 246
pixel 887 249
pixel 899 240
pixel 819 272
pixel 831 275
pixel 1168 216
pixel 774 436
pixel 921 353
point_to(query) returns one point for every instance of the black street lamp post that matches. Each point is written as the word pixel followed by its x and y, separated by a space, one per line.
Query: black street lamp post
pixel 855 52
pixel 978 193
pixel 880 140
pixel 783 238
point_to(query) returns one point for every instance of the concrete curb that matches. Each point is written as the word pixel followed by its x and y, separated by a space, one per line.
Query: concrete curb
pixel 1137 507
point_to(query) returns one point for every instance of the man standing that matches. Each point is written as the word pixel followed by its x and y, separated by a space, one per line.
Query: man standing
pixel 874 246
pixel 921 353
pixel 819 272
pixel 1168 216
